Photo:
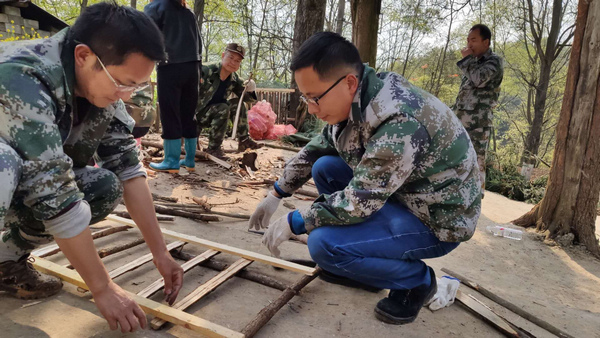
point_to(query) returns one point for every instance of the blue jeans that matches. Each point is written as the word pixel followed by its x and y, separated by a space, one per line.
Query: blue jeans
pixel 385 251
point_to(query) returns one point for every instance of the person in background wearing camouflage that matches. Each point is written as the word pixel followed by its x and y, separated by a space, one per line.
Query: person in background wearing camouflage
pixel 218 82
pixel 482 73
pixel 396 173
pixel 139 106
pixel 60 105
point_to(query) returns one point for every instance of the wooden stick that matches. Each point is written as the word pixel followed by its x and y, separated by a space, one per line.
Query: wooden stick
pixel 203 202
pixel 53 249
pixel 298 191
pixel 118 248
pixel 164 198
pixel 140 261
pixel 245 274
pixel 510 306
pixel 170 314
pixel 225 248
pixel 202 210
pixel 486 315
pixel 199 154
pixel 205 289
pixel 159 284
pixel 168 211
pixel 160 218
pixel 269 311
pixel 276 146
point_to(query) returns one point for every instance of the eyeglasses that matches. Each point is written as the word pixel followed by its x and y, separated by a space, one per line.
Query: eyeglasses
pixel 315 100
pixel 122 88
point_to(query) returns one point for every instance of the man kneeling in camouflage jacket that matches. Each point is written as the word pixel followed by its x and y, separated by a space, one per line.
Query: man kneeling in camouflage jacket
pixel 397 177
pixel 60 106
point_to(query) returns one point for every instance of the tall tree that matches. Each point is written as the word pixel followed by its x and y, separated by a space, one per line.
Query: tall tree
pixel 569 205
pixel 340 16
pixel 133 4
pixel 365 23
pixel 198 11
pixel 548 36
pixel 310 18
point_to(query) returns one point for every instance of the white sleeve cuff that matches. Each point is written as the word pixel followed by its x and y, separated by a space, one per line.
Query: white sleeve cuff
pixel 71 223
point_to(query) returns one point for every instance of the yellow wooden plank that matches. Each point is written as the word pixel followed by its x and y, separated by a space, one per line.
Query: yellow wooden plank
pixel 140 261
pixel 165 312
pixel 205 289
pixel 159 284
pixel 280 263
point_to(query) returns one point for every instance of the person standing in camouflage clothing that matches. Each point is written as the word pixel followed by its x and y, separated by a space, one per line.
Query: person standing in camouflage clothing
pixel 219 81
pixel 482 73
pixel 60 106
pixel 396 173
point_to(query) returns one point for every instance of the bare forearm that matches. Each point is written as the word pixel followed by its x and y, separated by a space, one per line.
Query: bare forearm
pixel 138 201
pixel 81 252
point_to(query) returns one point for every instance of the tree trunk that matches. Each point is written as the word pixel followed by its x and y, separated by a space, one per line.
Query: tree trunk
pixel 573 190
pixel 340 16
pixel 83 5
pixel 310 18
pixel 365 22
pixel 133 4
pixel 199 12
pixel 547 58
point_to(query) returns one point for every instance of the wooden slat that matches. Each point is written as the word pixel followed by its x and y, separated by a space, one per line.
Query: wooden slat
pixel 140 261
pixel 205 289
pixel 274 90
pixel 159 284
pixel 52 249
pixel 280 263
pixel 170 314
pixel 486 314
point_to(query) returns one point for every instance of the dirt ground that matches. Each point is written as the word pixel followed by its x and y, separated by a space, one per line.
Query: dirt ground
pixel 560 286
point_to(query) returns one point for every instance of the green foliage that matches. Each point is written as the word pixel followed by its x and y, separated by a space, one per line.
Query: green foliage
pixel 510 183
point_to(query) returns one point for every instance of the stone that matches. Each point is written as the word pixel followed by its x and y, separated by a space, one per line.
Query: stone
pixel 10 10
pixel 31 23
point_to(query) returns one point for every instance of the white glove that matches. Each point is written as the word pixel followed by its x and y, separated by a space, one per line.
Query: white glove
pixel 262 215
pixel 250 85
pixel 277 233
pixel 446 292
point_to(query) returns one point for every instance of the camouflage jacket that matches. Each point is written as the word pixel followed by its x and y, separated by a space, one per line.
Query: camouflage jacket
pixel 403 144
pixel 480 84
pixel 211 78
pixel 41 119
pixel 140 107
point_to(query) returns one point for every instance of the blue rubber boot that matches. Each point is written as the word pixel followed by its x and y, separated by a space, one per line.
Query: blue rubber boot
pixel 172 149
pixel 189 144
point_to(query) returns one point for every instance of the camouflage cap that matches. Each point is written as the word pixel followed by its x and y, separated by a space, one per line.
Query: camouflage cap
pixel 234 47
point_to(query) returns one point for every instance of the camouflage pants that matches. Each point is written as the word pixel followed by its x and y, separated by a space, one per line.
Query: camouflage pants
pixel 478 124
pixel 21 232
pixel 215 117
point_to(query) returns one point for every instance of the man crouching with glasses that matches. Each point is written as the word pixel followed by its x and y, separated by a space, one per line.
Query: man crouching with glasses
pixel 60 106
pixel 396 173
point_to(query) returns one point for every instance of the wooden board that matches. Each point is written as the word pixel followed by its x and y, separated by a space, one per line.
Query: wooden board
pixel 140 261
pixel 165 312
pixel 280 263
pixel 159 284
pixel 486 314
pixel 205 289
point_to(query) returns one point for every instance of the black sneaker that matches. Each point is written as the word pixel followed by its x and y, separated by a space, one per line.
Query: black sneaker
pixel 21 280
pixel 403 306
pixel 341 280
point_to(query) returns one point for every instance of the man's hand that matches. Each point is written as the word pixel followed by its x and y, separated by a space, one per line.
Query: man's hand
pixel 262 215
pixel 466 51
pixel 250 85
pixel 173 276
pixel 277 233
pixel 118 309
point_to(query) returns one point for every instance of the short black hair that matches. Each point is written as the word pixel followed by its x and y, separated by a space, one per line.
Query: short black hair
pixel 113 32
pixel 484 31
pixel 327 52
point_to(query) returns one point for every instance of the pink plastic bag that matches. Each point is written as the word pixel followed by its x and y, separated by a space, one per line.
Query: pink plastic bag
pixel 261 119
pixel 280 130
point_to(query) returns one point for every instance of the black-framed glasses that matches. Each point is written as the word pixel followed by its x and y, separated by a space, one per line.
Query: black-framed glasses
pixel 315 100
pixel 119 87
